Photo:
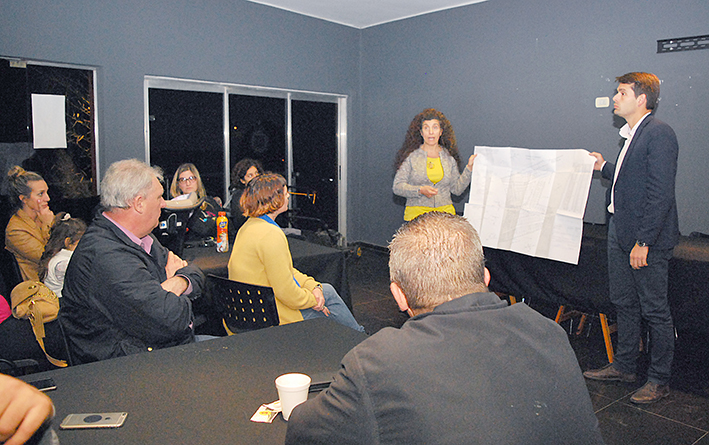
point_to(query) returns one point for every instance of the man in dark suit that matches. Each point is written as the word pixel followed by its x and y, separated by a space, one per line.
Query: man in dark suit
pixel 642 232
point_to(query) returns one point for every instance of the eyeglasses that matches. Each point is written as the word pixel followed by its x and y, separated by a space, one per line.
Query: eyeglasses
pixel 189 178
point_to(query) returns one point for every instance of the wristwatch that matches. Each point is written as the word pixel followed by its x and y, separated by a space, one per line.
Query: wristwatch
pixel 640 243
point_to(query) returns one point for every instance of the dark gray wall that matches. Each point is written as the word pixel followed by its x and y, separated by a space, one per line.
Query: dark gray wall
pixel 506 72
pixel 526 73
pixel 219 40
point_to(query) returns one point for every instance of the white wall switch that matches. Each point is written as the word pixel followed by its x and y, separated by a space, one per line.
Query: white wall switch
pixel 602 102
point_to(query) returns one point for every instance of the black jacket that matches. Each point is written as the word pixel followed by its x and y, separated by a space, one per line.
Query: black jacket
pixel 644 194
pixel 113 303
pixel 472 371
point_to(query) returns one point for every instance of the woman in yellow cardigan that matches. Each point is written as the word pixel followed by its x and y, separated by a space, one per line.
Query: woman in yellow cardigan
pixel 261 256
pixel 27 231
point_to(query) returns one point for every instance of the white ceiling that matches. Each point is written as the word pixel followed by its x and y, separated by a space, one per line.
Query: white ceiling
pixel 364 13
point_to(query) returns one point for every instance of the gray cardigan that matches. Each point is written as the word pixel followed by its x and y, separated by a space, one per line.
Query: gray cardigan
pixel 412 175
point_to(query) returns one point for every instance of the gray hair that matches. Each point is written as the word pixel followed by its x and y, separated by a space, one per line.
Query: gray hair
pixel 435 258
pixel 125 180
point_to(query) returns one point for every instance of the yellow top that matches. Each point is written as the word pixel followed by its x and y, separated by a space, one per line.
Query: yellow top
pixel 261 256
pixel 411 212
pixel 434 169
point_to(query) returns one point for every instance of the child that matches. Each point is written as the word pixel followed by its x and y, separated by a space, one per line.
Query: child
pixel 63 238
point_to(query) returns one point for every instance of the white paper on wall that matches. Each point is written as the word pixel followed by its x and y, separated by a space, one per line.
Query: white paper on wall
pixel 49 121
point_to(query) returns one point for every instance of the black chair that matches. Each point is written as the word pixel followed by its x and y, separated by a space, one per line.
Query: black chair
pixel 243 307
pixel 172 229
pixel 11 275
pixel 20 346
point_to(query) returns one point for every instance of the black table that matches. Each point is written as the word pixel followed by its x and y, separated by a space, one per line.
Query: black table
pixel 585 286
pixel 325 264
pixel 201 393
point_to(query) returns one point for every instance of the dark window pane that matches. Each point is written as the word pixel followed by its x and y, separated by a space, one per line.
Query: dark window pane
pixel 187 126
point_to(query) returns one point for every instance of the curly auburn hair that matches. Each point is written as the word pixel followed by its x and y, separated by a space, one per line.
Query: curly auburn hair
pixel 413 139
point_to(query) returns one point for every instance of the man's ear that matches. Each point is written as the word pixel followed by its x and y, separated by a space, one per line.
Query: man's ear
pixel 139 204
pixel 399 297
pixel 487 277
pixel 642 100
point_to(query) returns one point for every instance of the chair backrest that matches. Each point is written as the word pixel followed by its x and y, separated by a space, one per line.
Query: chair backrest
pixel 11 274
pixel 243 307
pixel 172 229
pixel 20 346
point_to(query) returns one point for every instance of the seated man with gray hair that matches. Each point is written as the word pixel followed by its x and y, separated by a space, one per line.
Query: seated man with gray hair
pixel 124 293
pixel 466 368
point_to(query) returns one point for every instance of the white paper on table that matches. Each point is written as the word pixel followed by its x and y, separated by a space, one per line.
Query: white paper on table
pixel 530 201
pixel 48 121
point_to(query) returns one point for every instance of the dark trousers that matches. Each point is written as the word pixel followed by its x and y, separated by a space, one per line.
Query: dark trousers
pixel 641 295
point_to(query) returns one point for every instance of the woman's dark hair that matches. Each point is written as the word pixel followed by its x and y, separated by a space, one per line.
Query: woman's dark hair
pixel 240 169
pixel 63 227
pixel 263 194
pixel 19 180
pixel 413 139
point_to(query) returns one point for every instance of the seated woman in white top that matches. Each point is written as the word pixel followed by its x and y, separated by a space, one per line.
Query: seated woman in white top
pixel 63 238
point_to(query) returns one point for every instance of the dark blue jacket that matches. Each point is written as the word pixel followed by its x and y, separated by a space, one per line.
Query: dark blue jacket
pixel 113 303
pixel 644 196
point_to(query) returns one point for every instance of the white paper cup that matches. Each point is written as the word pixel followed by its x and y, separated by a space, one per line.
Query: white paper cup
pixel 292 390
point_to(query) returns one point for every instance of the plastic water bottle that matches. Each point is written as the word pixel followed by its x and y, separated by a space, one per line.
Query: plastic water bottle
pixel 222 233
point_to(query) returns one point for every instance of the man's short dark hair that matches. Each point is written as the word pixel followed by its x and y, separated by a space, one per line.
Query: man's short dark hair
pixel 643 83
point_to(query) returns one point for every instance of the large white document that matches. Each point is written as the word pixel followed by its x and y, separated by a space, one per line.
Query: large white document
pixel 49 121
pixel 530 201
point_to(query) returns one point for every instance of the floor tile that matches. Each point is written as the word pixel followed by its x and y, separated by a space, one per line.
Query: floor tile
pixel 624 424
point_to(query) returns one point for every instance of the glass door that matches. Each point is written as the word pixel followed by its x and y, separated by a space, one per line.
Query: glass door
pixel 314 170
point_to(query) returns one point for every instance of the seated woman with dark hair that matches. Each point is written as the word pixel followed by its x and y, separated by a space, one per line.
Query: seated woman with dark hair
pixel 202 222
pixel 261 256
pixel 27 231
pixel 243 172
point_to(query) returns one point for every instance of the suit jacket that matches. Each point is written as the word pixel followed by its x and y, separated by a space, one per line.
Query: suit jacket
pixel 474 370
pixel 113 303
pixel 644 194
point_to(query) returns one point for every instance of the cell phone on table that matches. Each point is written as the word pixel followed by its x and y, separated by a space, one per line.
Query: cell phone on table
pixel 321 381
pixel 93 420
pixel 44 384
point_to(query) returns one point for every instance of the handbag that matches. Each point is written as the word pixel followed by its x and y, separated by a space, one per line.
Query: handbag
pixel 34 301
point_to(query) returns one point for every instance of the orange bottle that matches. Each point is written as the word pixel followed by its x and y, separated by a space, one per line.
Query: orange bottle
pixel 222 233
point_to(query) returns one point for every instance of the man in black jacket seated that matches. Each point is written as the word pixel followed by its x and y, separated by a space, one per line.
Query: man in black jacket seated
pixel 125 293
pixel 466 368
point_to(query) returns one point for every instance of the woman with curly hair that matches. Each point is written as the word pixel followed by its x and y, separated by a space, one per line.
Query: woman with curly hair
pixel 428 166
pixel 243 172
